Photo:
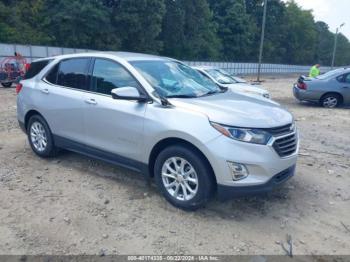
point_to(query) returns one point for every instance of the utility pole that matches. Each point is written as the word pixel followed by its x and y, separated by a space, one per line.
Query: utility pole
pixel 262 40
pixel 335 43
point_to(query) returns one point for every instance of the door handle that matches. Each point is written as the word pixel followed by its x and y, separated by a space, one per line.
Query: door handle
pixel 345 87
pixel 45 91
pixel 91 101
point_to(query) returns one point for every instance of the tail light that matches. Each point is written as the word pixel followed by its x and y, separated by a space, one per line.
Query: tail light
pixel 302 85
pixel 18 88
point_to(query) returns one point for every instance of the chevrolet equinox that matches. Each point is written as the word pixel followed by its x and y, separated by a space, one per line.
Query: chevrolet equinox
pixel 159 117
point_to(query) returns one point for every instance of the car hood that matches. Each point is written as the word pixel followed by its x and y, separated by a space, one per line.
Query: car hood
pixel 247 88
pixel 239 110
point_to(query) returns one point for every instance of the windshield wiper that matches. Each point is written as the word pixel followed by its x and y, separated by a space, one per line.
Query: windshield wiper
pixel 215 92
pixel 181 96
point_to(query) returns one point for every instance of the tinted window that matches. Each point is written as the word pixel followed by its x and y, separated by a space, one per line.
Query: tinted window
pixel 72 73
pixel 35 68
pixel 108 75
pixel 52 75
pixel 347 78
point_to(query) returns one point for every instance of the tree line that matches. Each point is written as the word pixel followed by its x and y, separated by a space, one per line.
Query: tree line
pixel 225 30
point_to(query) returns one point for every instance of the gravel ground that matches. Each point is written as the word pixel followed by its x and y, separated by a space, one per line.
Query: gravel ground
pixel 75 205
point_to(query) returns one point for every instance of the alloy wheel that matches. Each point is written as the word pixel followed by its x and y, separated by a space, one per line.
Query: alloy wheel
pixel 330 102
pixel 38 136
pixel 179 178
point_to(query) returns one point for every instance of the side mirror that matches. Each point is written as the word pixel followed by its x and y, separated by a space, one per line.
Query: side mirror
pixel 128 93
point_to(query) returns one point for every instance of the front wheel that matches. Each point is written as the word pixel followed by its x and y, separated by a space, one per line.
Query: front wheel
pixel 184 177
pixel 331 101
pixel 8 84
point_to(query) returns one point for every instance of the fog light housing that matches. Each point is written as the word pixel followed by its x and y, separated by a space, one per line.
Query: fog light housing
pixel 238 171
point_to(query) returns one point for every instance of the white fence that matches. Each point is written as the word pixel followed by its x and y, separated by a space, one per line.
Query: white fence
pixel 252 68
pixel 32 52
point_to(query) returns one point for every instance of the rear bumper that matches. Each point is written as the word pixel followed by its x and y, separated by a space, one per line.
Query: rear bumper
pixel 305 95
pixel 227 192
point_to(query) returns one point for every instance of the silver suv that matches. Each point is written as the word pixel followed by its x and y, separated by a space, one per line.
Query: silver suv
pixel 162 118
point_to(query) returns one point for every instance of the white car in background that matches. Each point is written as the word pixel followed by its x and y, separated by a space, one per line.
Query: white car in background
pixel 236 84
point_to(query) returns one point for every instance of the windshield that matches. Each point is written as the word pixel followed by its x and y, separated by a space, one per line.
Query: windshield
pixel 220 77
pixel 330 74
pixel 173 79
pixel 235 78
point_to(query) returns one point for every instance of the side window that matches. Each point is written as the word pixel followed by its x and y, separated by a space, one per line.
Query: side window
pixel 108 75
pixel 51 77
pixel 35 68
pixel 72 73
pixel 347 78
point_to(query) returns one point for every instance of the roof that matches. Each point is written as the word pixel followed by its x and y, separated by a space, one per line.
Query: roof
pixel 129 56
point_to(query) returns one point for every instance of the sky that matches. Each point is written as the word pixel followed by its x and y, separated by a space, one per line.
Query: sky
pixel 333 12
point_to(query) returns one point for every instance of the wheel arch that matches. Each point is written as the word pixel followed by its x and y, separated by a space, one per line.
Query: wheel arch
pixel 164 143
pixel 28 115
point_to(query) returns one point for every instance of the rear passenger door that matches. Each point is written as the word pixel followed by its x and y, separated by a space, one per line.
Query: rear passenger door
pixel 62 95
pixel 345 88
pixel 113 126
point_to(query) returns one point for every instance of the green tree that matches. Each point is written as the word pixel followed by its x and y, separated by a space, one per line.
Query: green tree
pixel 342 57
pixel 275 33
pixel 80 24
pixel 173 35
pixel 188 30
pixel 21 22
pixel 324 44
pixel 236 29
pixel 302 36
pixel 138 23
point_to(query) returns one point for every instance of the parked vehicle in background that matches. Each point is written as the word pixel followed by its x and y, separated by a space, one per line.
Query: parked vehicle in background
pixel 236 84
pixel 12 69
pixel 234 77
pixel 330 90
pixel 160 117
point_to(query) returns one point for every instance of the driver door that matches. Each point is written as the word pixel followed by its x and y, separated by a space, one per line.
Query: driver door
pixel 111 125
pixel 345 88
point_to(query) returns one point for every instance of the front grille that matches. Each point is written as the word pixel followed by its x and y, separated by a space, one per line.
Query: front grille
pixel 286 146
pixel 281 130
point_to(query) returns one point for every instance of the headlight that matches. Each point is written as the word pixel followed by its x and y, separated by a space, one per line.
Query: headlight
pixel 249 135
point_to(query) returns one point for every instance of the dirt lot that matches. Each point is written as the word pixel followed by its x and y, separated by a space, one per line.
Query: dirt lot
pixel 74 205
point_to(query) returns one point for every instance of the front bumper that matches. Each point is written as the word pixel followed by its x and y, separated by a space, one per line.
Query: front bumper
pixel 265 166
pixel 227 192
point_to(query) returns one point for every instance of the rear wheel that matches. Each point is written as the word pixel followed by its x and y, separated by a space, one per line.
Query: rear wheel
pixel 40 137
pixel 331 100
pixel 8 84
pixel 183 177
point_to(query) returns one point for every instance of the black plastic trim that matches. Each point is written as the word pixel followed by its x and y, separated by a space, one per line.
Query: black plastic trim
pixel 228 192
pixel 101 155
pixel 22 126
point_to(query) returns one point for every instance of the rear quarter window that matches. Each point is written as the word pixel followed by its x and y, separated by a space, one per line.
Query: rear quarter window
pixel 35 68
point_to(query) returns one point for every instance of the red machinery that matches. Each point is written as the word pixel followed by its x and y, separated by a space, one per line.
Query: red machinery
pixel 12 69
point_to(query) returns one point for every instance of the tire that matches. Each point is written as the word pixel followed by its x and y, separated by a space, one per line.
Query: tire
pixel 204 187
pixel 38 128
pixel 331 100
pixel 8 84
